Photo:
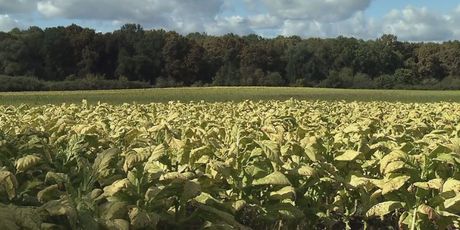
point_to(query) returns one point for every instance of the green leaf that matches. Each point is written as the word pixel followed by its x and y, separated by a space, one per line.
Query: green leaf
pixel 384 208
pixel 191 190
pixel 114 210
pixel 286 211
pixel 116 224
pixel 275 178
pixel 16 217
pixel 214 214
pixel 453 204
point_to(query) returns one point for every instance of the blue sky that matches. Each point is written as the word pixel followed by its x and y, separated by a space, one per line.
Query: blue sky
pixel 413 20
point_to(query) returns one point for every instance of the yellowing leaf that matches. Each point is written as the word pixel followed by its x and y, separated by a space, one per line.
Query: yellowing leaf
pixel 306 170
pixel 429 211
pixel 396 155
pixel 9 183
pixel 116 187
pixel 357 181
pixel 394 184
pixel 451 185
pixel 353 128
pixel 349 155
pixel 393 166
pixel 275 178
pixel 432 184
pixel 384 208
pixel 140 219
pixel 287 192
pixel 103 162
pixel 48 193
pixel 27 162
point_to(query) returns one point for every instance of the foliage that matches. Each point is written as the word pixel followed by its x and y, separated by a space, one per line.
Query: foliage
pixel 168 59
pixel 20 83
pixel 261 165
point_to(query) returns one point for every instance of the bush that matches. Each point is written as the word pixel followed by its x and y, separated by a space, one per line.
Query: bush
pixel 385 82
pixel 96 84
pixel 162 82
pixel 449 83
pixel 363 81
pixel 273 79
pixel 8 84
pixel 338 79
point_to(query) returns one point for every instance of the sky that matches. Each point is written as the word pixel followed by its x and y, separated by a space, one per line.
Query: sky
pixel 411 20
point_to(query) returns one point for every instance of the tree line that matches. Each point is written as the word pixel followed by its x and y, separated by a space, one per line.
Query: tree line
pixel 141 58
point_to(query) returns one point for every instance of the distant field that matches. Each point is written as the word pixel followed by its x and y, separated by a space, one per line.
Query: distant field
pixel 217 94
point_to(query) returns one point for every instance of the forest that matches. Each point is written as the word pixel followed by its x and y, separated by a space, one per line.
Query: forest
pixel 73 57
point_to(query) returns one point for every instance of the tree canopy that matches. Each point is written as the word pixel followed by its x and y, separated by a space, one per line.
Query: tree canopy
pixel 162 58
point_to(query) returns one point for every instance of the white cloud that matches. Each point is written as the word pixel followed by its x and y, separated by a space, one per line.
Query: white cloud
pixel 183 16
pixel 48 9
pixel 317 10
pixel 419 24
pixel 409 24
pixel 232 24
pixel 308 18
pixel 7 23
pixel 357 26
pixel 264 21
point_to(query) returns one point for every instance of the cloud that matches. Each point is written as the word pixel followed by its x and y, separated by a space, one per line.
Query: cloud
pixel 419 24
pixel 409 24
pixel 184 16
pixel 232 24
pixel 317 10
pixel 7 23
pixel 307 18
pixel 264 21
pixel 357 26
pixel 17 6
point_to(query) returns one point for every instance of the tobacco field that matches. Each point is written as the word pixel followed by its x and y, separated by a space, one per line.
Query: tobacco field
pixel 248 165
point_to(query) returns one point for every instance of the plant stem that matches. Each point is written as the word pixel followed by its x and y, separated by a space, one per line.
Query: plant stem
pixel 414 218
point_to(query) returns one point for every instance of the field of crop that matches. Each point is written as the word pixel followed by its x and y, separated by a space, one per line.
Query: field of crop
pixel 224 94
pixel 261 165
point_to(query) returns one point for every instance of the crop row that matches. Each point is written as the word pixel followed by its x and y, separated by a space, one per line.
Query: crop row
pixel 260 165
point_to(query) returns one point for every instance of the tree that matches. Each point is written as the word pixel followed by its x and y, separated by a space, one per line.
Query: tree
pixel 429 63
